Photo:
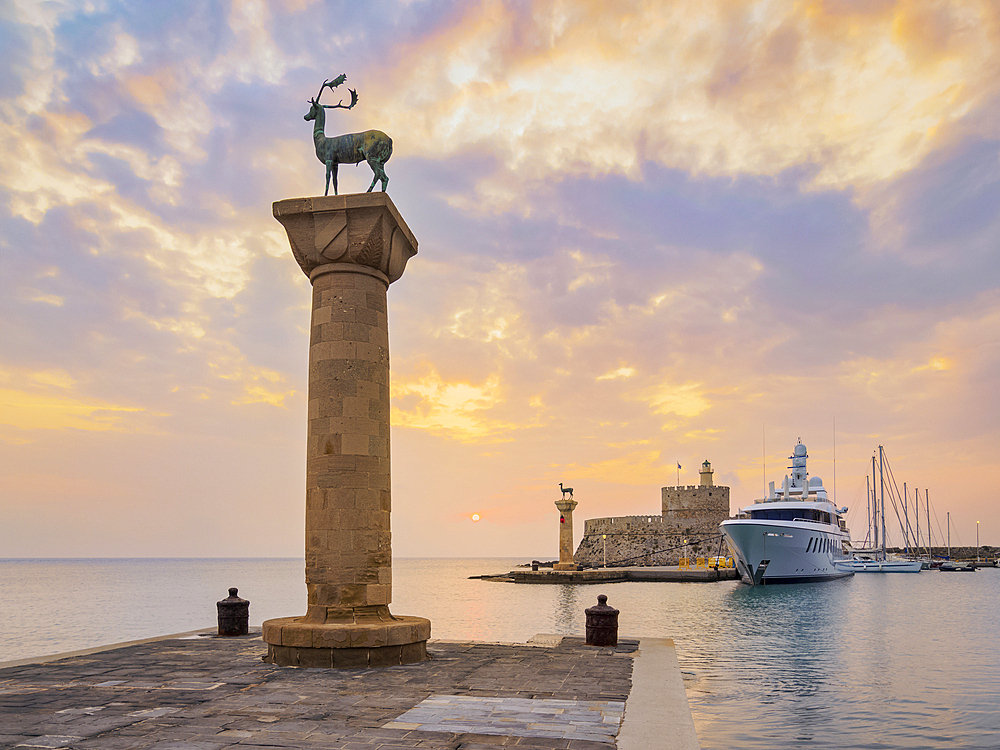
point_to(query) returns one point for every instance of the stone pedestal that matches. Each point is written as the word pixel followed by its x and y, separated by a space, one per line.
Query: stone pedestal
pixel 565 535
pixel 351 247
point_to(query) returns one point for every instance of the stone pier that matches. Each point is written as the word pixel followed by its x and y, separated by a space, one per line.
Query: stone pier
pixel 352 247
pixel 565 508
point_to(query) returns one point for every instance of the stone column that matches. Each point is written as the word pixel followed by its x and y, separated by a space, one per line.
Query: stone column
pixel 565 534
pixel 351 247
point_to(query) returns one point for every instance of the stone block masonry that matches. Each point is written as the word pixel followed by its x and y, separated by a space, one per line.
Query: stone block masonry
pixel 689 513
pixel 348 554
pixel 352 247
pixel 697 504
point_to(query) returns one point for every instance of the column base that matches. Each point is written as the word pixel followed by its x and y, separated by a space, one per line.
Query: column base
pixel 294 642
pixel 565 566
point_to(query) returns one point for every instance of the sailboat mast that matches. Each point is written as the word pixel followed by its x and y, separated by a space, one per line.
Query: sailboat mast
pixel 868 497
pixel 927 498
pixel 881 491
pixel 949 534
pixel 906 521
pixel 874 505
pixel 916 515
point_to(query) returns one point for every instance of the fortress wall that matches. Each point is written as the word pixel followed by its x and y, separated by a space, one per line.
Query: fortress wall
pixel 621 524
pixel 695 502
pixel 692 513
pixel 632 547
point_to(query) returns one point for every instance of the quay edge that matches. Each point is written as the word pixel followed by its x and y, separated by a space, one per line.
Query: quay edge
pixel 652 574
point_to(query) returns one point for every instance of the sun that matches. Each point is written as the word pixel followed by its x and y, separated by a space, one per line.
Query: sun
pixel 475 518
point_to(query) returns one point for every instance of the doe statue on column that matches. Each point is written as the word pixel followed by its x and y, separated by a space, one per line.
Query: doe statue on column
pixel 352 247
pixel 565 505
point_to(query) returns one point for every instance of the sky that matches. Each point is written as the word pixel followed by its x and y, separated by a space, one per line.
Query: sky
pixel 650 234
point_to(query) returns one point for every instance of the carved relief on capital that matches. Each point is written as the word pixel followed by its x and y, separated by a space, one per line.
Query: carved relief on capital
pixel 364 230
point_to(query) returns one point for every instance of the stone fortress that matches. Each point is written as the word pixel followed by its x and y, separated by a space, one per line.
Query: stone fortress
pixel 688 522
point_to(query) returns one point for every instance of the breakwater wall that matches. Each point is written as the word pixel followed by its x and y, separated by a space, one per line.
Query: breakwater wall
pixel 957 553
pixel 622 541
pixel 645 540
pixel 618 574
pixel 635 547
pixel 687 526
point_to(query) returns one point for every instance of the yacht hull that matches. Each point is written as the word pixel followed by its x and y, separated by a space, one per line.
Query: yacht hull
pixel 768 552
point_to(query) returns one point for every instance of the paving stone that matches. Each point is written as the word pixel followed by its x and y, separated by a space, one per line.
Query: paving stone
pixel 49 740
pixel 209 694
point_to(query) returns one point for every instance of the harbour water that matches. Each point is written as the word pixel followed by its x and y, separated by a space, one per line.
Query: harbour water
pixel 873 661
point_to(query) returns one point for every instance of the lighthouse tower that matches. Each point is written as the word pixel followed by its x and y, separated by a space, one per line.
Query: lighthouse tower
pixel 706 474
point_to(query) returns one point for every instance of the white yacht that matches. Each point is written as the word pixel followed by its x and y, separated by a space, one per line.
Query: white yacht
pixel 793 535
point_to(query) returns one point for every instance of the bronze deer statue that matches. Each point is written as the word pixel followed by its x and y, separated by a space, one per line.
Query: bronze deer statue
pixel 372 146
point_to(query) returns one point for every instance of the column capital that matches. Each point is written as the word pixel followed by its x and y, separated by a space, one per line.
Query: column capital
pixel 565 506
pixel 333 232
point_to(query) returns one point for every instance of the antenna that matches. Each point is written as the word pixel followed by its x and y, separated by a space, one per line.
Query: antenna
pixel 763 455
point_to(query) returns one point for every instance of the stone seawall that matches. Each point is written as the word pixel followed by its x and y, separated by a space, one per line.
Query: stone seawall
pixel 957 553
pixel 687 527
pixel 622 524
pixel 645 540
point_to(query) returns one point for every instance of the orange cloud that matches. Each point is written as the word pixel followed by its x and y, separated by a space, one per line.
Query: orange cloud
pixel 454 408
pixel 719 88
pixel 636 468
pixel 35 411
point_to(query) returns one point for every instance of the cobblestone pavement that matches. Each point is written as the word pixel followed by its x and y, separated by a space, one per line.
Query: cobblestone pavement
pixel 206 693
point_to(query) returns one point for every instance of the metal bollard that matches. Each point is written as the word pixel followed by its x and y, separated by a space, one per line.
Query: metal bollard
pixel 602 624
pixel 234 614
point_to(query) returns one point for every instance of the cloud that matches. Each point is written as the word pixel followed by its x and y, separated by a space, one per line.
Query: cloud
pixel 44 400
pixel 858 94
pixel 647 230
pixel 637 467
pixel 458 409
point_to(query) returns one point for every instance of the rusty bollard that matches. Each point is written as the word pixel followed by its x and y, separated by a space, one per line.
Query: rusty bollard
pixel 602 624
pixel 234 614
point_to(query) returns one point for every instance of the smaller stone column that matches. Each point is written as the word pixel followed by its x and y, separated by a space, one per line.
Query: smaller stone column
pixel 565 534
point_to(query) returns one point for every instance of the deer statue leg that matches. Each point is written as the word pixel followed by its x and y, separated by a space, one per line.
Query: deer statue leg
pixel 335 165
pixel 329 166
pixel 378 174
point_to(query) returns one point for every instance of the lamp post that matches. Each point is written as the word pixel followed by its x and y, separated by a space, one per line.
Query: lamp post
pixel 605 536
pixel 977 541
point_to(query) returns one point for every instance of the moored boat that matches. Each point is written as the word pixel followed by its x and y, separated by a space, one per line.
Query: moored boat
pixel 794 535
pixel 876 560
pixel 884 565
pixel 951 567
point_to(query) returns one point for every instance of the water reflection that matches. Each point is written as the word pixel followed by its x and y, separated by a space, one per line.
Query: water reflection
pixel 785 653
pixel 568 605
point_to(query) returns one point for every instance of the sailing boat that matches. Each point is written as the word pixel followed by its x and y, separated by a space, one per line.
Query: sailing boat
pixel 949 566
pixel 875 559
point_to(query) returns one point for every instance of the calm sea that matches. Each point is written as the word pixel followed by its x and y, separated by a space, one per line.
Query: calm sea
pixel 874 661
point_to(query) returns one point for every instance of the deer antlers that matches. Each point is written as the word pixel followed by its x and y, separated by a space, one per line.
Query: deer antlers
pixel 333 84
